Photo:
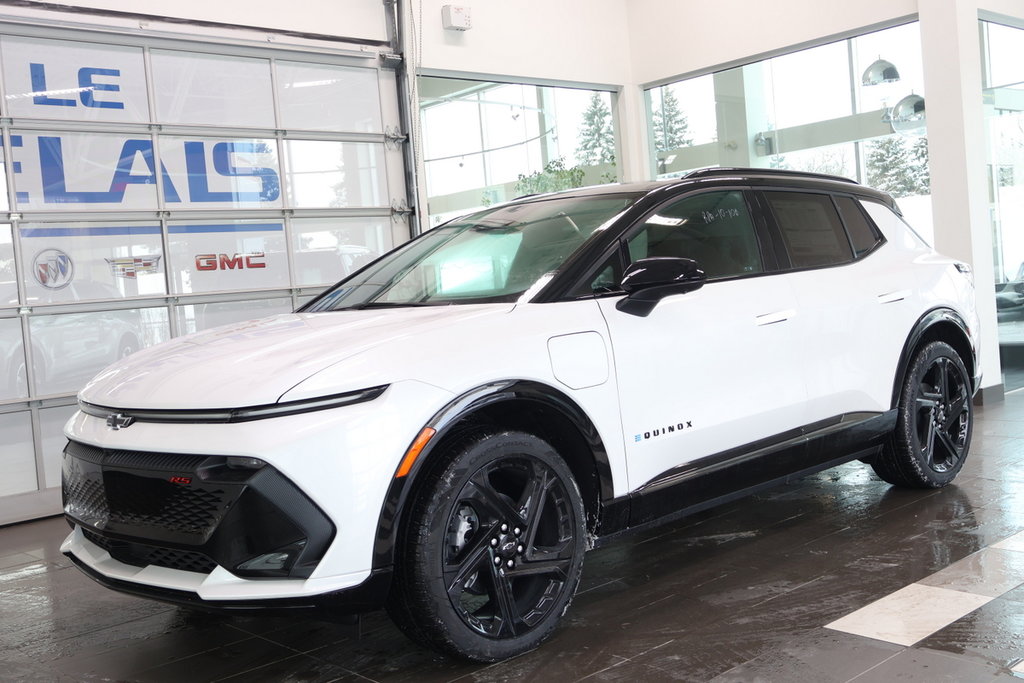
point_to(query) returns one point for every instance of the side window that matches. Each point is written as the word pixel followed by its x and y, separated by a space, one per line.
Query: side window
pixel 713 228
pixel 863 234
pixel 811 229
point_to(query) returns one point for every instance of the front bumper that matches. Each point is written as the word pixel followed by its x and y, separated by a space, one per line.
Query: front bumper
pixel 339 462
pixel 363 597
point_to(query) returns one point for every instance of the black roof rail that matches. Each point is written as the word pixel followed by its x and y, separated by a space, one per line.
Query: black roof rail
pixel 720 171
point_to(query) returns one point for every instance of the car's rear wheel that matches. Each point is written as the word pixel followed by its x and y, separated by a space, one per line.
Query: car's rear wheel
pixel 492 552
pixel 934 423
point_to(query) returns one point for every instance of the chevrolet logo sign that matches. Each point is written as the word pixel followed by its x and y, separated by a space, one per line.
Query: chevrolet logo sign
pixel 119 421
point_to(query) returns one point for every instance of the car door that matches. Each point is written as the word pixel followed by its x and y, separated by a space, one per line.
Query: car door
pixel 713 369
pixel 848 287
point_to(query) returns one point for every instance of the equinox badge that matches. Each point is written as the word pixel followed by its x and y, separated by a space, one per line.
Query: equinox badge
pixel 119 421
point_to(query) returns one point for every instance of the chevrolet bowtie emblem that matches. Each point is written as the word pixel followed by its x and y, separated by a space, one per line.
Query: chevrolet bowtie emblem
pixel 119 421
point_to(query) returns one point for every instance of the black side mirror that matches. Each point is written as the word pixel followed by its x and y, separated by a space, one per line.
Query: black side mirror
pixel 649 280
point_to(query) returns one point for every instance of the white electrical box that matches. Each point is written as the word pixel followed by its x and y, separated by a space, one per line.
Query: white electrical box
pixel 456 18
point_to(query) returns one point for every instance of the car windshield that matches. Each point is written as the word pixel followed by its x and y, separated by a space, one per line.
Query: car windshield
pixel 490 256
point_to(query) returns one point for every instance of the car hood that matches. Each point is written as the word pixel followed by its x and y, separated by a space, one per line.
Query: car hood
pixel 256 362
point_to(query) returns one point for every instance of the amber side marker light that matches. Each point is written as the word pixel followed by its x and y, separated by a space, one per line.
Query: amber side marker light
pixel 414 451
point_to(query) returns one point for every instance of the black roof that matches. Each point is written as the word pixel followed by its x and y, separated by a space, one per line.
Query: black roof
pixel 750 176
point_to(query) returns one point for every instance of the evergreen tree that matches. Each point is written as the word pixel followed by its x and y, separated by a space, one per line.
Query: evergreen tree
pixel 596 137
pixel 670 125
pixel 922 176
pixel 890 166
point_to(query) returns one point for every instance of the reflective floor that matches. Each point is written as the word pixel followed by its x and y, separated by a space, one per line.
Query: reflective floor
pixel 780 587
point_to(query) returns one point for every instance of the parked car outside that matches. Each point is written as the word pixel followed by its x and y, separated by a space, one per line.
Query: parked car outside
pixel 446 431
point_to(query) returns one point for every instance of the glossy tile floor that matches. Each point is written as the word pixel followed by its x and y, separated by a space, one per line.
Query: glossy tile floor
pixel 780 587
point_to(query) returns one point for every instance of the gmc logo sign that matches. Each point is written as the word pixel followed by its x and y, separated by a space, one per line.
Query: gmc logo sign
pixel 233 262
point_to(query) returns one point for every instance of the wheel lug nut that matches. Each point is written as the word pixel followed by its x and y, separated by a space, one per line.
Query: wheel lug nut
pixel 510 564
pixel 497 560
pixel 519 549
pixel 517 531
pixel 494 542
pixel 504 527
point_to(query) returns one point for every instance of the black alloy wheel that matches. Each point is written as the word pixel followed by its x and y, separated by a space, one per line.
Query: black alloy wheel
pixel 934 424
pixel 494 549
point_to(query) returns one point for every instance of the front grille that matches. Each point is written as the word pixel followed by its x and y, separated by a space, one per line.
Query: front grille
pixel 192 512
pixel 141 554
pixel 121 490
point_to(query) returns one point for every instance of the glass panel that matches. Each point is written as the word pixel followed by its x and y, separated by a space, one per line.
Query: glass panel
pixel 335 174
pixel 901 47
pixel 212 90
pixel 1003 101
pixel 862 233
pixel 805 111
pixel 810 85
pixel 226 256
pixel 12 360
pixel 811 229
pixel 326 97
pixel 714 229
pixel 4 204
pixel 91 261
pixel 59 79
pixel 220 173
pixel 51 424
pixel 63 171
pixel 328 249
pixel 17 459
pixel 199 317
pixel 8 282
pixel 71 348
pixel 490 142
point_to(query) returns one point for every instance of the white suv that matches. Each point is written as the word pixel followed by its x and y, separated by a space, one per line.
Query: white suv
pixel 447 430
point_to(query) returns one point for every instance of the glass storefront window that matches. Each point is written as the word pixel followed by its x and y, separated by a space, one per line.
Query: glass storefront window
pixel 17 457
pixel 335 174
pixel 51 424
pixel 70 348
pixel 8 283
pixel 199 317
pixel 1003 101
pixel 212 173
pixel 808 110
pixel 70 81
pixel 13 383
pixel 328 249
pixel 68 262
pixel 327 97
pixel 227 256
pixel 212 90
pixel 487 142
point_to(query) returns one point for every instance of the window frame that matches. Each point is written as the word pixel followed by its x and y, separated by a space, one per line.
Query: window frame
pixel 766 242
pixel 784 256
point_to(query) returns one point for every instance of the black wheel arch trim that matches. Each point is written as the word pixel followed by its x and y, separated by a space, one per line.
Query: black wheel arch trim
pixel 460 412
pixel 936 316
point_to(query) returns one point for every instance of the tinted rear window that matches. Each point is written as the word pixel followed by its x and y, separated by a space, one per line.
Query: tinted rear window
pixel 811 229
pixel 863 234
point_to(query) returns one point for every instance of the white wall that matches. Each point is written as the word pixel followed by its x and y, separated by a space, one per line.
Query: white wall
pixel 348 18
pixel 674 37
pixel 579 41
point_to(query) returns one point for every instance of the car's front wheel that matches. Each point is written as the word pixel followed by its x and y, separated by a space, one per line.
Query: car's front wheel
pixel 493 549
pixel 933 427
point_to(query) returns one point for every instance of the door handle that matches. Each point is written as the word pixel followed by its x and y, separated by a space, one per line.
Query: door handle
pixel 776 317
pixel 893 297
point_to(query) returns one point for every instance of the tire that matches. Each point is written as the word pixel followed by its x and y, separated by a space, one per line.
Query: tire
pixel 934 422
pixel 491 554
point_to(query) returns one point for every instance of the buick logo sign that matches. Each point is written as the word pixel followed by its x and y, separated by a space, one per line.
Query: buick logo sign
pixel 53 269
pixel 119 421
